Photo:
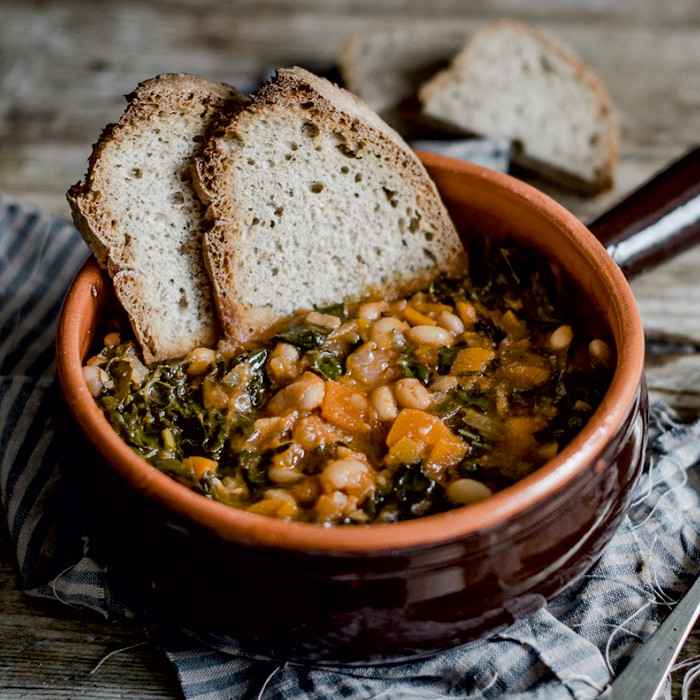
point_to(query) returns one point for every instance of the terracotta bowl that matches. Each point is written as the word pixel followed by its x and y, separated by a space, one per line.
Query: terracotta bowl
pixel 393 591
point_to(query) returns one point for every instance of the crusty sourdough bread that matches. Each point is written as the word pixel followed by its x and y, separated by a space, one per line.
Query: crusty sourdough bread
pixel 512 80
pixel 385 68
pixel 138 211
pixel 313 200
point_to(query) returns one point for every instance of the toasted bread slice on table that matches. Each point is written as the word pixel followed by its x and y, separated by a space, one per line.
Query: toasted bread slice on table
pixel 138 211
pixel 315 200
pixel 513 80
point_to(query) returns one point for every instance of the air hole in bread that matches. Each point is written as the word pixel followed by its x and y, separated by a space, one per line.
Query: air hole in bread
pixel 346 150
pixel 178 199
pixel 429 235
pixel 358 177
pixel 136 173
pixel 275 271
pixel 272 223
pixel 345 170
pixel 429 254
pixel 182 302
pixel 316 187
pixel 251 161
pixel 310 130
pixel 306 105
pixel 287 156
pixel 279 211
pixel 294 146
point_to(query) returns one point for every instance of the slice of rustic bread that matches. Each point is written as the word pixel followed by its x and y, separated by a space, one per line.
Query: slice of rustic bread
pixel 138 211
pixel 512 80
pixel 385 67
pixel 314 199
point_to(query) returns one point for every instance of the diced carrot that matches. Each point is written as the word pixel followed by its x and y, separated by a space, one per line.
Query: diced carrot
pixel 200 466
pixel 348 408
pixel 471 360
pixel 416 318
pixel 467 313
pixel 274 508
pixel 447 452
pixel 510 322
pixel 524 376
pixel 416 425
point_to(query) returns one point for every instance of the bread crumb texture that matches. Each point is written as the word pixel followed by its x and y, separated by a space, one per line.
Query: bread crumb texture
pixel 316 200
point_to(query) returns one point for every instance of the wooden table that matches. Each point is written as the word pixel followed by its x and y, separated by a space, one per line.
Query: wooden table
pixel 64 67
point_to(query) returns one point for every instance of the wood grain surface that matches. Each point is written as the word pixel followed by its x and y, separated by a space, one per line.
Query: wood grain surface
pixel 64 68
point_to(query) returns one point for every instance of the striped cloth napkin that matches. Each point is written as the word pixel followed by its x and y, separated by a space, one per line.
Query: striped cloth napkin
pixel 571 648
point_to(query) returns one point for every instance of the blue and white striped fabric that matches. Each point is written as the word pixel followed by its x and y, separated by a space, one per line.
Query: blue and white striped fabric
pixel 572 648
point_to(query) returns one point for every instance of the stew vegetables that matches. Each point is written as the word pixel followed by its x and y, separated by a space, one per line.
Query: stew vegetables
pixel 375 411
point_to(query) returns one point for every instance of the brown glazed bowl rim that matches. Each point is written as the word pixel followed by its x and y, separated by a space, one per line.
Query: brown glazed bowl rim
pixel 240 526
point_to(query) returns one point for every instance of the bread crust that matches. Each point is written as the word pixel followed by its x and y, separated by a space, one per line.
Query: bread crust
pixel 583 73
pixel 299 92
pixel 92 201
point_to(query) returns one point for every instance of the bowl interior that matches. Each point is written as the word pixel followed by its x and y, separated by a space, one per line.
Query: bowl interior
pixel 490 202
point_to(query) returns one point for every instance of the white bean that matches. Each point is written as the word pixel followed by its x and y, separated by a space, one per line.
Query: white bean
pixel 430 335
pixel 349 475
pixel 96 379
pixel 306 393
pixel 450 322
pixel 410 393
pixel 372 310
pixel 384 403
pixel 388 332
pixel 323 320
pixel 200 359
pixel 465 491
pixel 561 337
pixel 600 351
pixel 284 476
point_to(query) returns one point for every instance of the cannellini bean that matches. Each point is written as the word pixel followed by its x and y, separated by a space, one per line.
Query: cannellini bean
pixel 279 495
pixel 410 393
pixel 600 352
pixel 112 339
pixel 306 393
pixel 283 362
pixel 450 322
pixel 285 351
pixel 200 360
pixel 388 332
pixel 284 476
pixel 430 335
pixel 96 379
pixel 323 320
pixel 384 403
pixel 443 383
pixel 349 475
pixel 561 338
pixel 466 491
pixel 372 310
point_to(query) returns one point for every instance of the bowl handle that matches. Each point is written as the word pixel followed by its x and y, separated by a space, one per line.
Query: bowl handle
pixel 655 222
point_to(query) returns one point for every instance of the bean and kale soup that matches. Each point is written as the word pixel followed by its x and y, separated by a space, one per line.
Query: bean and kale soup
pixel 372 412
